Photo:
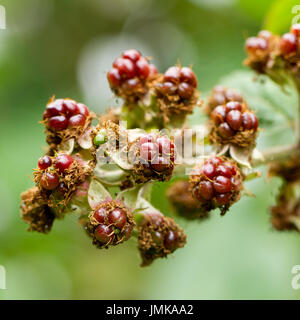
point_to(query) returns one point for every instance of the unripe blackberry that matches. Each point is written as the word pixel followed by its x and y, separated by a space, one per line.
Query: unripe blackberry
pixel 177 93
pixel 288 44
pixel 131 76
pixel 233 123
pixel 65 119
pixel 254 44
pixel 110 223
pixel 63 113
pixel 262 51
pixel 216 183
pixel 219 96
pixel 155 157
pixel 158 236
pixel 62 176
pixel 183 79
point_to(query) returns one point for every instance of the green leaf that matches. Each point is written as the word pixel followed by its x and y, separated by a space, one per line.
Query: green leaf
pixel 255 8
pixel 241 155
pixel 119 160
pixel 280 16
pixel 130 196
pixel 109 177
pixel 67 146
pixel 97 193
pixel 85 141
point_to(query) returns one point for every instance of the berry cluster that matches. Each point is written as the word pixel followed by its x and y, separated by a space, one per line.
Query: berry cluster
pixel 130 72
pixel 110 223
pixel 289 41
pixel 156 152
pixel 221 95
pixel 65 113
pixel 262 51
pixel 158 236
pixel 232 122
pixel 258 45
pixel 50 169
pixel 178 82
pixel 217 183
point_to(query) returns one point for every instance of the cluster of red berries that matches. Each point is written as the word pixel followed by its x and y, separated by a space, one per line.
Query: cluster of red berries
pixel 110 224
pixel 216 182
pixel 157 152
pixel 289 41
pixel 258 44
pixel 230 119
pixel 178 81
pixel 65 113
pixel 50 167
pixel 130 70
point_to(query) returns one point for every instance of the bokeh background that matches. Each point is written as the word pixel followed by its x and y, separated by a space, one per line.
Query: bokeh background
pixel 65 47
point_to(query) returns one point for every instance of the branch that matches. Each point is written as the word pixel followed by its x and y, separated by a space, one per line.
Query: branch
pixel 278 153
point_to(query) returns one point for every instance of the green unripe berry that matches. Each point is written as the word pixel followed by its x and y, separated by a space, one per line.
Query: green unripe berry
pixel 100 138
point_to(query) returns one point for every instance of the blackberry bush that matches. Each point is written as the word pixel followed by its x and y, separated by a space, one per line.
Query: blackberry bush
pixel 103 171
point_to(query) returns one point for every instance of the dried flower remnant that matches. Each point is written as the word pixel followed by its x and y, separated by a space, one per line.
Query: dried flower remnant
pixel 158 236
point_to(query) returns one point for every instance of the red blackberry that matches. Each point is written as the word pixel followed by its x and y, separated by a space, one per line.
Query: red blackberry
pixel 179 81
pixel 216 183
pixel 110 223
pixel 230 119
pixel 255 44
pixel 61 114
pixel 289 43
pixel 130 73
pixel 156 151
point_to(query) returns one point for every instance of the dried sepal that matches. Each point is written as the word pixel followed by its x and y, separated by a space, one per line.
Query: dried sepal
pixel 285 215
pixel 35 212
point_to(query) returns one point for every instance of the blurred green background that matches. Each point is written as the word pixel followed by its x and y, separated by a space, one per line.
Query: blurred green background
pixel 65 47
